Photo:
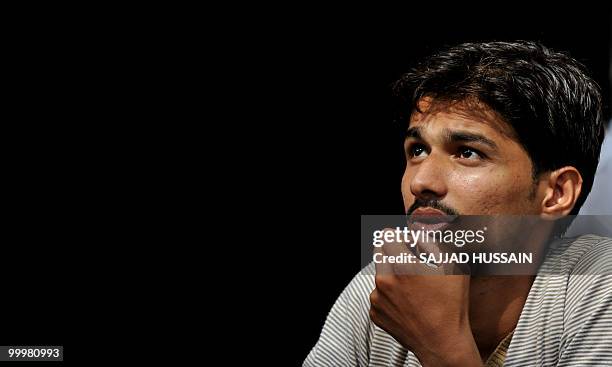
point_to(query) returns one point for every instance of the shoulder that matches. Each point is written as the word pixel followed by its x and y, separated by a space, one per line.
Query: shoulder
pixel 587 254
pixel 594 255
pixel 589 287
pixel 587 326
pixel 356 295
pixel 590 273
pixel 347 332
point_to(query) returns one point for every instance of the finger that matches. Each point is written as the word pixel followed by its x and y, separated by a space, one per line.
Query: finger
pixel 440 258
pixel 401 257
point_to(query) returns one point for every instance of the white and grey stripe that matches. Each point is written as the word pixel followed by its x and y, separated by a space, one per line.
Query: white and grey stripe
pixel 566 320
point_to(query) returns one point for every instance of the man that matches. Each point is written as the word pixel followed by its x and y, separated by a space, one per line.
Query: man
pixel 493 129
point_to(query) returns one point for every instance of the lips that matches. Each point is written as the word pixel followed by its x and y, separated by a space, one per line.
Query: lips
pixel 430 219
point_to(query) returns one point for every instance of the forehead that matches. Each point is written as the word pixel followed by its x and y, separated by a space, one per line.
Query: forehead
pixel 464 115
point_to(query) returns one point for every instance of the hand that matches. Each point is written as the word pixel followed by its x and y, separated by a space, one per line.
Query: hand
pixel 425 311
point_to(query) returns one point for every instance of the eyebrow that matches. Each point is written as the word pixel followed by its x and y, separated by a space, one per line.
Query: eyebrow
pixel 414 132
pixel 467 137
pixel 454 137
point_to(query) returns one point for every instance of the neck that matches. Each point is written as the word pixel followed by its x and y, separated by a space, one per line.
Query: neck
pixel 496 303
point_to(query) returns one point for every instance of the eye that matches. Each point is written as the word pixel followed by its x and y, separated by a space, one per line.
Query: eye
pixel 469 153
pixel 417 150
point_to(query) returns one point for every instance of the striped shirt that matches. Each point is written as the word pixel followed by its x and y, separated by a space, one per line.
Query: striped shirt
pixel 566 319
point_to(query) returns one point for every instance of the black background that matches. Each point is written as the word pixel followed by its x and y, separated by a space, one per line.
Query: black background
pixel 346 153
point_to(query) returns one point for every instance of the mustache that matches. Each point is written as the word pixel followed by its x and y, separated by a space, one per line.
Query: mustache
pixel 431 203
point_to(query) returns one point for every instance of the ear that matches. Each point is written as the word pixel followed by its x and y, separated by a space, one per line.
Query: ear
pixel 562 192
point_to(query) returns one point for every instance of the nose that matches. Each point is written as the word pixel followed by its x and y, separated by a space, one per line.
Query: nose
pixel 427 179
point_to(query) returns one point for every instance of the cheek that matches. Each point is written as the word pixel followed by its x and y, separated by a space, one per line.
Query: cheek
pixel 473 193
pixel 488 192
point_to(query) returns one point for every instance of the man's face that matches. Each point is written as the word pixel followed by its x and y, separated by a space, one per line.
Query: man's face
pixel 466 161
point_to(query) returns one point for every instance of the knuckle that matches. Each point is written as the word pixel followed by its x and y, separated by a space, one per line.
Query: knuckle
pixel 373 316
pixel 373 298
pixel 383 282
